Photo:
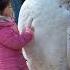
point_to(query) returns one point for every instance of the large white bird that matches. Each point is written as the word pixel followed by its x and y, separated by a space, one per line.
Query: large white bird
pixel 51 18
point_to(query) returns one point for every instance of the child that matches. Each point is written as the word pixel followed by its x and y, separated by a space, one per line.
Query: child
pixel 11 42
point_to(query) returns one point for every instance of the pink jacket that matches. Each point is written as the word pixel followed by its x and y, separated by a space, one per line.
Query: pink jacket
pixel 11 43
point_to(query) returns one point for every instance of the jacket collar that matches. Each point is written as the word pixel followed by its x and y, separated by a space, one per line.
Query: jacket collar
pixel 6 21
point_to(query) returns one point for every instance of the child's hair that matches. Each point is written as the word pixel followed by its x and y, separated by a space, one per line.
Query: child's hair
pixel 3 5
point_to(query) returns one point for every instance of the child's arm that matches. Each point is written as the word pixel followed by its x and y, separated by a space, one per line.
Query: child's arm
pixel 18 41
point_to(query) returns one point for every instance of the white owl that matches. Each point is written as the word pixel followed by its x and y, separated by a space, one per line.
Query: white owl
pixel 51 18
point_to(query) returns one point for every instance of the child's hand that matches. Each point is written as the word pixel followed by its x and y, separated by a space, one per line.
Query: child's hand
pixel 29 29
pixel 29 26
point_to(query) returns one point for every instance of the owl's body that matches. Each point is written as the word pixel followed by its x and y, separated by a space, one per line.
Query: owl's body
pixel 49 49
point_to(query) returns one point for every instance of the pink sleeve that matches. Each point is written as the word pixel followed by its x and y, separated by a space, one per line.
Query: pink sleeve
pixel 18 41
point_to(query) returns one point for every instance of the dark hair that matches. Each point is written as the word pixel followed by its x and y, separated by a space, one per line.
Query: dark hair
pixel 3 5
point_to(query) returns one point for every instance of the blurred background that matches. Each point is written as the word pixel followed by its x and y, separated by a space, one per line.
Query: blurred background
pixel 15 6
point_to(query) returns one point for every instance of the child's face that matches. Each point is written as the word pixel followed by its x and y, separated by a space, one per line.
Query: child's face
pixel 7 12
